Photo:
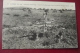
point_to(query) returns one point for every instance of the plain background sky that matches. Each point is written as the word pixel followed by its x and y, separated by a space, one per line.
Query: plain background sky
pixel 39 4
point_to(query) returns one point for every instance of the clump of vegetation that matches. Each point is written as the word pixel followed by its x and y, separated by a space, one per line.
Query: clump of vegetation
pixel 16 15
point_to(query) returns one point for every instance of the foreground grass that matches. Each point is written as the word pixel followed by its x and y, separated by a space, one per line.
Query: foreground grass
pixel 18 29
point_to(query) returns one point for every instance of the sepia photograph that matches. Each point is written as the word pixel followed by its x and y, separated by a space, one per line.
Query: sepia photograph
pixel 39 25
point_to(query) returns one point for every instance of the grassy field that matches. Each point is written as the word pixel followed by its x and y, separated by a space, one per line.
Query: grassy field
pixel 21 28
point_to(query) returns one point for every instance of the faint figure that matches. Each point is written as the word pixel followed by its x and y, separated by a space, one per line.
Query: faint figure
pixel 60 35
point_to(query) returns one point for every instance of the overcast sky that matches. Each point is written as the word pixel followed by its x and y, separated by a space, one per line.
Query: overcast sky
pixel 39 4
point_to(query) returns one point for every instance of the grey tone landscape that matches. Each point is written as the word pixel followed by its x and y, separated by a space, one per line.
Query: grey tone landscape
pixel 31 28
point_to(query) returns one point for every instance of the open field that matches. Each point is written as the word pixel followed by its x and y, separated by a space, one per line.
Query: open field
pixel 23 28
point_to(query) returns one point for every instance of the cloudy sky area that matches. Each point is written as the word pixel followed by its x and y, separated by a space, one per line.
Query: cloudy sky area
pixel 39 4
